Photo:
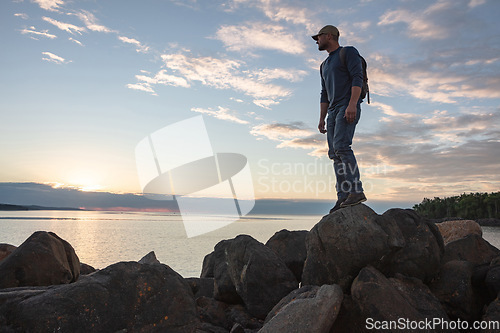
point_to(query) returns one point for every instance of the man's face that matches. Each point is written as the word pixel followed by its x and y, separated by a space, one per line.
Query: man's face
pixel 322 42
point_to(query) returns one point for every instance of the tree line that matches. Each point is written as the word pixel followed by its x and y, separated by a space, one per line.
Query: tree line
pixel 471 206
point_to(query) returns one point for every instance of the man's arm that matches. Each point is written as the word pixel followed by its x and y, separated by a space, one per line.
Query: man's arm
pixel 322 116
pixel 352 108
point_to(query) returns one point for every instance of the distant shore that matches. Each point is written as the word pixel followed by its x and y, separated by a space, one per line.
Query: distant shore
pixel 7 207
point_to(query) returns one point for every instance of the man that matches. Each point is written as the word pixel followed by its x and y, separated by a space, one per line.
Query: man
pixel 341 83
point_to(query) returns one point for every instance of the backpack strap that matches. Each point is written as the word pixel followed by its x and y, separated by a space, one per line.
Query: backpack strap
pixel 342 56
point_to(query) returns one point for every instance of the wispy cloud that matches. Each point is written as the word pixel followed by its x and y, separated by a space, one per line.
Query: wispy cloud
pixel 138 45
pixel 91 22
pixel 221 113
pixel 75 41
pixel 281 131
pixel 71 28
pixel 221 73
pixel 22 15
pixel 34 33
pixel 277 10
pixel 50 5
pixel 51 57
pixel 257 35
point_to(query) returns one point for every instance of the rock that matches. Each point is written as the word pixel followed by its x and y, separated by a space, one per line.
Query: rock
pixel 209 328
pixel 237 328
pixel 149 259
pixel 312 313
pixel 454 288
pixel 224 288
pixel 424 248
pixel 453 230
pixel 201 286
pixel 207 269
pixel 259 277
pixel 492 317
pixel 237 314
pixel 86 269
pixel 300 293
pixel 344 242
pixel 43 259
pixel 290 246
pixel 492 278
pixel 6 250
pixel 383 300
pixel 124 296
pixel 213 312
pixel 472 248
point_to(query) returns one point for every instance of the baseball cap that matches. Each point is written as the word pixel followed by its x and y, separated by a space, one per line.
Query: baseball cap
pixel 327 29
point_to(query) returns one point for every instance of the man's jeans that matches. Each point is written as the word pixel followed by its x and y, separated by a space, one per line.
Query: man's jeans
pixel 339 135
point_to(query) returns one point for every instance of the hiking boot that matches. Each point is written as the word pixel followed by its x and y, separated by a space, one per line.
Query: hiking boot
pixel 337 205
pixel 353 199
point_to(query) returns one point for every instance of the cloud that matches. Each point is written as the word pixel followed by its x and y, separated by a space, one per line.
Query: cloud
pixel 276 10
pixel 33 32
pixel 140 47
pixel 75 41
pixel 72 29
pixel 50 5
pixel 281 131
pixel 442 78
pixel 22 15
pixel 92 23
pixel 221 113
pixel 183 70
pixel 259 36
pixel 142 86
pixel 51 57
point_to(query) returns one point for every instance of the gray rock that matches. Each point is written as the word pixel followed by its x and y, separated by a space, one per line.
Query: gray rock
pixel 6 250
pixel 201 286
pixel 149 259
pixel 43 259
pixel 454 288
pixel 472 248
pixel 382 299
pixel 124 296
pixel 424 248
pixel 344 242
pixel 308 314
pixel 259 277
pixel 290 247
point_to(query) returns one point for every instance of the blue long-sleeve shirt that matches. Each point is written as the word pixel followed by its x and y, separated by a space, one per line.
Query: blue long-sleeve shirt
pixel 337 79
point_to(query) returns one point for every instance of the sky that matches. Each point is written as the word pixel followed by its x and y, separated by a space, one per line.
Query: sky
pixel 83 82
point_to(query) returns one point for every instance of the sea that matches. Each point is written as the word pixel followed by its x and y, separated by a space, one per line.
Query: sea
pixel 102 238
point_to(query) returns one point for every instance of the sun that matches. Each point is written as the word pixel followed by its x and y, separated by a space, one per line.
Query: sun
pixel 85 183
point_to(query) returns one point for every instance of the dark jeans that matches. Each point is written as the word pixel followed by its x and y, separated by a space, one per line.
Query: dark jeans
pixel 339 135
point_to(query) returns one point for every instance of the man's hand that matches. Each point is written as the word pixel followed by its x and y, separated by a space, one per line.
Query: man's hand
pixel 350 113
pixel 321 126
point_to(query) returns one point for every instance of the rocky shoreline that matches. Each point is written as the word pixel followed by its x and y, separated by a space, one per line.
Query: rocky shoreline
pixel 354 271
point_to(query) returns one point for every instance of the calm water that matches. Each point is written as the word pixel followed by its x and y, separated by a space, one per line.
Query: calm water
pixel 104 238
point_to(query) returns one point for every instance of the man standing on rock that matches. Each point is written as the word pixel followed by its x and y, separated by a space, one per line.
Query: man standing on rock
pixel 341 82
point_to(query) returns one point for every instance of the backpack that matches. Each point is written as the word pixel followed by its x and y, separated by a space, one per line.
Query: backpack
pixel 365 90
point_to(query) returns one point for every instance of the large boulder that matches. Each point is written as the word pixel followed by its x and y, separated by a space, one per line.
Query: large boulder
pixel 290 246
pixel 453 230
pixel 258 276
pixel 344 242
pixel 43 259
pixel 314 310
pixel 472 248
pixel 456 290
pixel 423 251
pixel 125 296
pixel 384 300
pixel 6 250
